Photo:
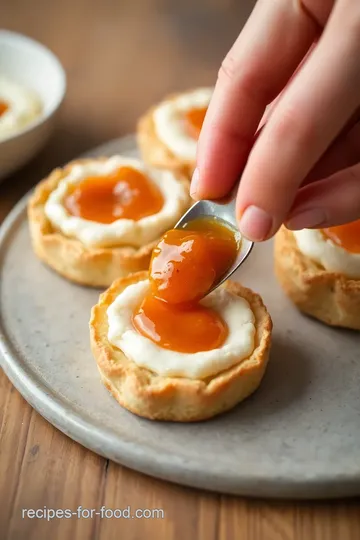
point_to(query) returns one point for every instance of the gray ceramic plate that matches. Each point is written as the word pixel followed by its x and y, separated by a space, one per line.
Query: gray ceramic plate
pixel 297 436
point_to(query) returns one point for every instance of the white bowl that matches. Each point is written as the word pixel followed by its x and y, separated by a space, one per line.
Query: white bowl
pixel 30 63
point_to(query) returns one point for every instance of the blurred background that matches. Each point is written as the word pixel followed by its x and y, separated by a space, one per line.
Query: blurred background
pixel 120 57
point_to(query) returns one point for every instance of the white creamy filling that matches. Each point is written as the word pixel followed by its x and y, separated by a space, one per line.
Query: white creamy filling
pixel 24 107
pixel 313 244
pixel 239 344
pixel 169 124
pixel 122 231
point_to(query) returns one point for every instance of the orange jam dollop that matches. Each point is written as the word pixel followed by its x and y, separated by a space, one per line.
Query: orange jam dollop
pixel 124 194
pixel 347 236
pixel 194 119
pixel 3 107
pixel 189 329
pixel 188 262
pixel 184 267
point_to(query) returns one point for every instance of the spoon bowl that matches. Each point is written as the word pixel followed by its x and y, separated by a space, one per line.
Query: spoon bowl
pixel 223 211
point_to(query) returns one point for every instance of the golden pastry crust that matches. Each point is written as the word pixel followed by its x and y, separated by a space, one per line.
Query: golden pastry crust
pixel 176 398
pixel 95 267
pixel 154 151
pixel 328 296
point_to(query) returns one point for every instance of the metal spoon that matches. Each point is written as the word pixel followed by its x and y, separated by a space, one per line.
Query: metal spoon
pixel 223 210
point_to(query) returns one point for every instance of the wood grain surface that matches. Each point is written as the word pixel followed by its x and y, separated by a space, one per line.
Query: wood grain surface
pixel 120 57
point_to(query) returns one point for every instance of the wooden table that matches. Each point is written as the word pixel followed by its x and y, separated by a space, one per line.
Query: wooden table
pixel 120 57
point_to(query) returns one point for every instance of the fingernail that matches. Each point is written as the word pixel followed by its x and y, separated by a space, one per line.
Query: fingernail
pixel 255 224
pixel 194 183
pixel 313 217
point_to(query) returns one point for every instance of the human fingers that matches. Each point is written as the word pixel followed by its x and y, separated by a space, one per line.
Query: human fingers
pixel 308 117
pixel 263 58
pixel 332 201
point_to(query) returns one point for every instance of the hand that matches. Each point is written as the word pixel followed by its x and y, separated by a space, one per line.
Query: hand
pixel 303 168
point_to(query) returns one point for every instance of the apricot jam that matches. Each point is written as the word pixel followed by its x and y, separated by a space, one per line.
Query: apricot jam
pixel 3 107
pixel 346 236
pixel 187 330
pixel 123 194
pixel 188 262
pixel 184 267
pixel 194 119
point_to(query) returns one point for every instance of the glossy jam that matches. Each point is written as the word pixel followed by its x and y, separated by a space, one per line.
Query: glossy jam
pixel 3 107
pixel 347 236
pixel 188 262
pixel 184 267
pixel 194 119
pixel 123 194
pixel 188 330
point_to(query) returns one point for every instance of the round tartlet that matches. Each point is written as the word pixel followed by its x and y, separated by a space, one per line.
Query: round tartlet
pixel 328 296
pixel 154 150
pixel 90 266
pixel 180 399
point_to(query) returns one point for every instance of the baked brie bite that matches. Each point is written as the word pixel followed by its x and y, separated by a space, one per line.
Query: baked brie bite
pixel 99 219
pixel 320 272
pixel 168 351
pixel 168 133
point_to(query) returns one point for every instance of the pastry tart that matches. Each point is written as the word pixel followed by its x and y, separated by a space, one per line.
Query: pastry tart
pixel 98 219
pixel 320 272
pixel 160 384
pixel 168 132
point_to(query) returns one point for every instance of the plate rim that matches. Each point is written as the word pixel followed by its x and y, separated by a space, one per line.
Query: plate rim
pixel 148 460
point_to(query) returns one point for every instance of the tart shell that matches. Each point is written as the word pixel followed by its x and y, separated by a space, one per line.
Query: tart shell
pixel 95 267
pixel 154 152
pixel 157 397
pixel 328 296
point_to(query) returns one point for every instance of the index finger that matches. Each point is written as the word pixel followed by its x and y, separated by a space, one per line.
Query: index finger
pixel 263 58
